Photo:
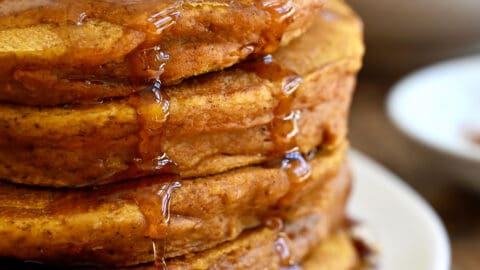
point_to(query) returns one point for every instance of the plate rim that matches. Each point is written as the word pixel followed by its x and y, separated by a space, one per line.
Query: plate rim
pixel 443 248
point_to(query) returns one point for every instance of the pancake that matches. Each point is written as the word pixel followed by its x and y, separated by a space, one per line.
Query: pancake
pixel 96 159
pixel 53 52
pixel 115 225
pixel 203 126
pixel 336 252
pixel 256 250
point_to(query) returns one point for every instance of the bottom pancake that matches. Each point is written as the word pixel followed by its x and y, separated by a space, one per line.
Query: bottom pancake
pixel 115 225
pixel 254 250
pixel 303 244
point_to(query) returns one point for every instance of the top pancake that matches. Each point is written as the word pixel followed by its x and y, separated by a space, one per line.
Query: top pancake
pixel 205 125
pixel 65 51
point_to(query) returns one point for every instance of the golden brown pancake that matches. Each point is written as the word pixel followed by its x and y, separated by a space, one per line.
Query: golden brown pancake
pixel 210 124
pixel 64 51
pixel 336 252
pixel 51 160
pixel 115 225
pixel 256 250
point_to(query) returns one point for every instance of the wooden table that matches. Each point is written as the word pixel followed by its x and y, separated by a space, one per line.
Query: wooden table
pixel 373 133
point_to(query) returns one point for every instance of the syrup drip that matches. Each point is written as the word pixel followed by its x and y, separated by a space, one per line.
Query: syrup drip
pixel 282 14
pixel 296 167
pixel 150 61
pixel 81 18
pixel 159 255
pixel 284 127
pixel 149 206
pixel 152 108
pixel 147 61
pixel 282 242
pixel 282 247
pixel 150 20
pixel 164 19
pixel 159 246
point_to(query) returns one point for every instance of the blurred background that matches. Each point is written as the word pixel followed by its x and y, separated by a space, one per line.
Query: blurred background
pixel 401 37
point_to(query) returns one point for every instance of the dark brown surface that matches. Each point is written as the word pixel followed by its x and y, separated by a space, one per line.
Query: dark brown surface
pixel 375 135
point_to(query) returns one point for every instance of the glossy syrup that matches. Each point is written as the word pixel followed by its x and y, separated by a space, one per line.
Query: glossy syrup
pixel 282 243
pixel 282 15
pixel 155 204
pixel 152 109
pixel 153 196
pixel 149 18
pixel 143 64
pixel 159 241
pixel 284 127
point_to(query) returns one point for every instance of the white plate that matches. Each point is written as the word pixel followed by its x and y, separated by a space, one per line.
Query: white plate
pixel 409 233
pixel 439 107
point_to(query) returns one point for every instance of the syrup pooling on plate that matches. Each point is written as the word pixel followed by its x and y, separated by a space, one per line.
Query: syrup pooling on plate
pixel 159 255
pixel 284 127
pixel 160 237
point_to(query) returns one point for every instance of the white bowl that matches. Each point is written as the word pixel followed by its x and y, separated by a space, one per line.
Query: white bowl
pixel 439 106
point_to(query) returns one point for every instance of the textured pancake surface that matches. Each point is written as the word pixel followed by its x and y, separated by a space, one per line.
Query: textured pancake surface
pixel 255 250
pixel 210 124
pixel 115 224
pixel 63 51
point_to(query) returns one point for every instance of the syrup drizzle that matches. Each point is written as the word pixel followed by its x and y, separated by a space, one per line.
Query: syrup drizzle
pixel 284 128
pixel 157 231
pixel 152 108
pixel 159 245
pixel 282 15
pixel 150 18
pixel 282 243
pixel 151 201
pixel 166 18
pixel 159 255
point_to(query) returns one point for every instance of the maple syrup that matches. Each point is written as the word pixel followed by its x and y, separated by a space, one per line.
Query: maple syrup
pixel 282 15
pixel 159 261
pixel 284 127
pixel 150 20
pixel 282 243
pixel 152 108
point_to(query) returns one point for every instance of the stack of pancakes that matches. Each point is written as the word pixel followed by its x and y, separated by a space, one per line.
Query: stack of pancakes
pixel 176 134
